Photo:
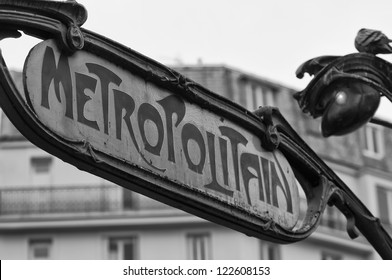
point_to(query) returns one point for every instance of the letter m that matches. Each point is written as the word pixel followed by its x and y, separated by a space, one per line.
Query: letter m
pixel 58 73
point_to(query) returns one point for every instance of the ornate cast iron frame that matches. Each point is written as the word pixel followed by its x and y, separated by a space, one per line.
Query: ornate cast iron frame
pixel 62 21
pixel 360 67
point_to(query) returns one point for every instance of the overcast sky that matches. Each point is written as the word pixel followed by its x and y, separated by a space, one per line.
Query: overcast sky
pixel 267 38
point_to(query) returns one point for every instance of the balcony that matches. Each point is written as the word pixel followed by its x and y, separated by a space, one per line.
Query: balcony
pixel 28 209
pixel 76 201
pixel 32 201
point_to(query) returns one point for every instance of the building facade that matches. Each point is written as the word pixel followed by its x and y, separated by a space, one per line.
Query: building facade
pixel 51 210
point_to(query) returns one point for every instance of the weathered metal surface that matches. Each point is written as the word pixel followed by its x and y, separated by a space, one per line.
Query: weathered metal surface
pixel 89 101
pixel 179 143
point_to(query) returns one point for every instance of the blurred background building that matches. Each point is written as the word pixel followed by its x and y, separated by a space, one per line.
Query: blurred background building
pixel 51 210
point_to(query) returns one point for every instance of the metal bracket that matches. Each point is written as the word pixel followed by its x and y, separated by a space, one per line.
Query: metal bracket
pixel 64 17
pixel 338 199
pixel 75 37
pixel 271 139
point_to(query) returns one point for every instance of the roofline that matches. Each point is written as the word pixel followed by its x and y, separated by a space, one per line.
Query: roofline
pixel 243 73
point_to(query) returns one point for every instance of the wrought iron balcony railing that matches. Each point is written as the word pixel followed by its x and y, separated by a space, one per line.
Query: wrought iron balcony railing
pixel 27 201
pixel 70 199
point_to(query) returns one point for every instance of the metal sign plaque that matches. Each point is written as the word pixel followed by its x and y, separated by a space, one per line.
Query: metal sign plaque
pixel 83 98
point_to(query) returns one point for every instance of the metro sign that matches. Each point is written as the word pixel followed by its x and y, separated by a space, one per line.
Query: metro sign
pixel 117 114
pixel 85 99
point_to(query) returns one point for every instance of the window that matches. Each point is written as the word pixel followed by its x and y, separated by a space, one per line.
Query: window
pixel 374 141
pixel 41 164
pixel 127 199
pixel 384 197
pixel 122 248
pixel 40 249
pixel 40 170
pixel 269 251
pixel 199 246
pixel 257 96
pixel 330 256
